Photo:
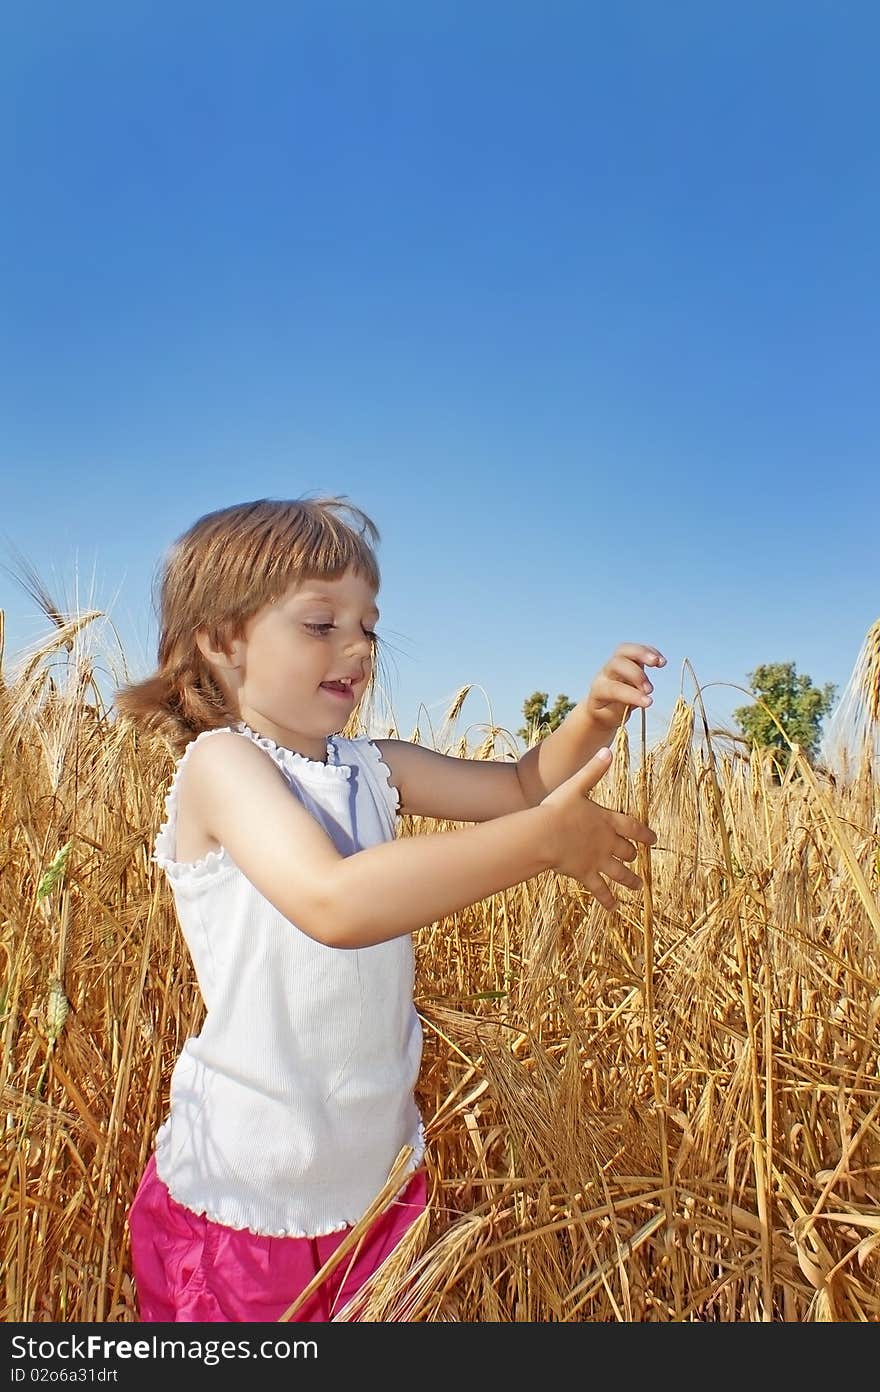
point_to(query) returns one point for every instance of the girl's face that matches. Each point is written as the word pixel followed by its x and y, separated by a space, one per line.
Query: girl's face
pixel 317 632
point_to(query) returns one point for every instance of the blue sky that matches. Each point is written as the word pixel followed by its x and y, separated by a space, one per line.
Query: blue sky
pixel 580 302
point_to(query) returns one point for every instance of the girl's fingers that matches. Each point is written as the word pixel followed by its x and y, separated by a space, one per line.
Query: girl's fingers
pixel 632 673
pixel 632 830
pixel 600 891
pixel 624 876
pixel 641 652
pixel 632 696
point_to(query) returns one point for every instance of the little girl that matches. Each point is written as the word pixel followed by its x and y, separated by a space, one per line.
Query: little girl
pixel 297 902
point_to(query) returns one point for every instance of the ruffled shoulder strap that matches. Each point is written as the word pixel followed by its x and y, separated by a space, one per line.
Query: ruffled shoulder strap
pixel 166 838
pixel 367 755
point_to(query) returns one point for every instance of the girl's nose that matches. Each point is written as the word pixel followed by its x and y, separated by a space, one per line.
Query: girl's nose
pixel 362 645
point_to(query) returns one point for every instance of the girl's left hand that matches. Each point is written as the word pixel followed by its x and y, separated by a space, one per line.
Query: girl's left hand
pixel 621 685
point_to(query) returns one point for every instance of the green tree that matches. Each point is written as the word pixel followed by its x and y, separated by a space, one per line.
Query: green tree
pixel 798 705
pixel 538 719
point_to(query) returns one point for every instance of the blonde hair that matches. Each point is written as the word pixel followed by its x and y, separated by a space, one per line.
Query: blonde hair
pixel 224 568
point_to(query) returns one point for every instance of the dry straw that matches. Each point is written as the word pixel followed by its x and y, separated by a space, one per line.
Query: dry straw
pixel 668 1112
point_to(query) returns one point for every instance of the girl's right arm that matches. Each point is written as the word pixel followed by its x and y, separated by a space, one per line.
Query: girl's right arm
pixel 242 800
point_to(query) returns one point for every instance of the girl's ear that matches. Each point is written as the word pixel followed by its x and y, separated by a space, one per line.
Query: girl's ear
pixel 209 646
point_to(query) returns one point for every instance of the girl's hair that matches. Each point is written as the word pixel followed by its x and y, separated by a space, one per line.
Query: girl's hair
pixel 224 568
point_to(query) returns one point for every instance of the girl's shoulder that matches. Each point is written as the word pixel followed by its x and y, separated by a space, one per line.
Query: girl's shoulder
pixel 182 846
pixel 222 735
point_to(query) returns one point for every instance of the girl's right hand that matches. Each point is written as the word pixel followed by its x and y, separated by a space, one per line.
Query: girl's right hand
pixel 588 841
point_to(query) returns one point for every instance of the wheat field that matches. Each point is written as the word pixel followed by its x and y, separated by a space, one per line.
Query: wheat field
pixel 670 1112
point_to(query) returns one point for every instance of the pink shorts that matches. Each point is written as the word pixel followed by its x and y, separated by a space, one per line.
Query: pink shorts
pixel 187 1268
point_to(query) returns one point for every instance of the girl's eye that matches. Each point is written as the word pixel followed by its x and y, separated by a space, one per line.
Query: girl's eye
pixel 324 627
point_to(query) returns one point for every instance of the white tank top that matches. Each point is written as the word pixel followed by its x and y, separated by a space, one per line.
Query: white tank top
pixel 289 1108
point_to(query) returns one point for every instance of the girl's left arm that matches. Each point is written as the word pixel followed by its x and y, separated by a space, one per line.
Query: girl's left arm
pixel 437 785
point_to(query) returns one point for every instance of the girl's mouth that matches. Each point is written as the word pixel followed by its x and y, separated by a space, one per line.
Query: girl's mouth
pixel 337 689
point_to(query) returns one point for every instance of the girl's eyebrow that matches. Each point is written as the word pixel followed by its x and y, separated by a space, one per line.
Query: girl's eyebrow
pixel 330 599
